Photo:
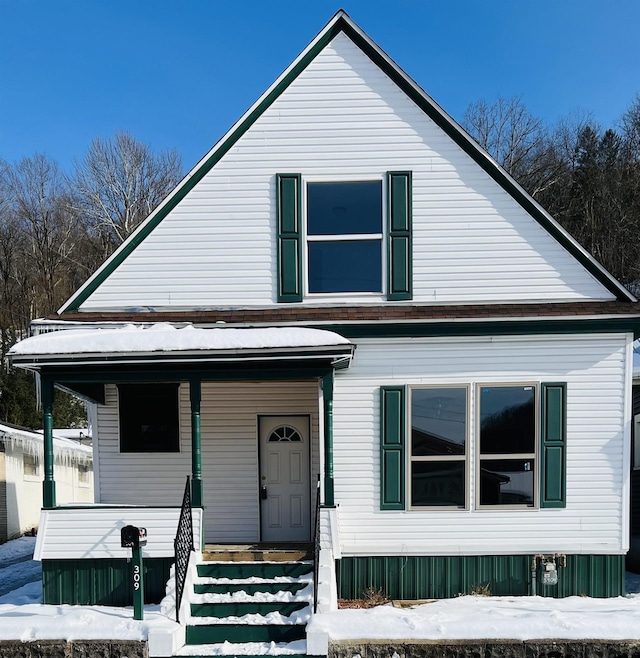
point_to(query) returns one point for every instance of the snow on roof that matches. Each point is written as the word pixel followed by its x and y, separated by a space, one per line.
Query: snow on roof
pixel 164 337
pixel 34 442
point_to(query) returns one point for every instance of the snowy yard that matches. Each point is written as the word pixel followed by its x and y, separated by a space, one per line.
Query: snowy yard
pixel 23 617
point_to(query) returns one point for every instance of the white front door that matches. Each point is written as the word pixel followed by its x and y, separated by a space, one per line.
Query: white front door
pixel 284 478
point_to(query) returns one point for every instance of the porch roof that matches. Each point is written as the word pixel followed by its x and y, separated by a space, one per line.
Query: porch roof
pixel 166 343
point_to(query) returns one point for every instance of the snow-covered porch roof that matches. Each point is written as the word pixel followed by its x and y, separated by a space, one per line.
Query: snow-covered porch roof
pixel 167 344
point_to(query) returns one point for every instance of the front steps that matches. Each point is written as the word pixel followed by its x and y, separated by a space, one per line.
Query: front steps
pixel 254 606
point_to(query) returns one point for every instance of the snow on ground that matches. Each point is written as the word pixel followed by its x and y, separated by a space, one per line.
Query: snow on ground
pixel 24 617
pixel 16 550
pixel 479 617
pixel 16 565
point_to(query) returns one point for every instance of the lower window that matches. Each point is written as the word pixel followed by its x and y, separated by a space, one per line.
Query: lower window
pixel 507 445
pixel 510 453
pixel 438 447
pixel 148 417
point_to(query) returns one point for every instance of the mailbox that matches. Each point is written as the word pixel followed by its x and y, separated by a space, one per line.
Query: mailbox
pixel 132 537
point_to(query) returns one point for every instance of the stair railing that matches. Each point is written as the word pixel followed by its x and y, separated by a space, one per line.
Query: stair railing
pixel 316 549
pixel 183 545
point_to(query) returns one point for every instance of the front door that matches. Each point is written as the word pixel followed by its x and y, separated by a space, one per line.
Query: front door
pixel 284 478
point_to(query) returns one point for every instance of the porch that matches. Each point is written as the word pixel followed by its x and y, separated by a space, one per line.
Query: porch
pixel 210 403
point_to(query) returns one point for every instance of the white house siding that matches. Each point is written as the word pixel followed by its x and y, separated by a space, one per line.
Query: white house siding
pixel 139 478
pixel 343 119
pixel 94 533
pixel 596 514
pixel 229 430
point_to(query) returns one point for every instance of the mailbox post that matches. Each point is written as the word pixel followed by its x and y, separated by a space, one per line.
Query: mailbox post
pixel 135 538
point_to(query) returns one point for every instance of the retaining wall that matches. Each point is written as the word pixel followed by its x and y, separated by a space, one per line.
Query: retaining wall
pixel 488 649
pixel 75 649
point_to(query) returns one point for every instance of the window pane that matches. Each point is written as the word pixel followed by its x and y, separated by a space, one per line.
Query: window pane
pixel 29 464
pixel 438 421
pixel 344 208
pixel 354 266
pixel 507 419
pixel 436 484
pixel 506 481
pixel 148 417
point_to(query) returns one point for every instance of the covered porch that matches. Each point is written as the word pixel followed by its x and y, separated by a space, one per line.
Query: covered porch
pixel 253 422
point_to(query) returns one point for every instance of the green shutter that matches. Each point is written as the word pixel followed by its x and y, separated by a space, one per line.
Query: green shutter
pixel 553 467
pixel 392 442
pixel 399 275
pixel 288 210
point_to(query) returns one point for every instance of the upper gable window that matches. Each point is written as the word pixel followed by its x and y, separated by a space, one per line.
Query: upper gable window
pixel 344 237
pixel 333 237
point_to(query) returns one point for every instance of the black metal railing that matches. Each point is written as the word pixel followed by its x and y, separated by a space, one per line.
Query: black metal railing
pixel 316 549
pixel 183 545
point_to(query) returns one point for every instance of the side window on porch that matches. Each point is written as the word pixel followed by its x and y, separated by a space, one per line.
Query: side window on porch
pixel 148 417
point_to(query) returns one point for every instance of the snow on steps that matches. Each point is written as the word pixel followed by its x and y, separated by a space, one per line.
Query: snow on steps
pixel 249 609
pixel 246 650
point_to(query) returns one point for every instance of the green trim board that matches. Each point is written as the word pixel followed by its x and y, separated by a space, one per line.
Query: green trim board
pixel 101 582
pixel 148 374
pixel 425 577
pixel 510 327
pixel 341 23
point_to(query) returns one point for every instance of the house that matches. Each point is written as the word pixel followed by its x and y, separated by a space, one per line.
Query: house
pixel 346 288
pixel 21 476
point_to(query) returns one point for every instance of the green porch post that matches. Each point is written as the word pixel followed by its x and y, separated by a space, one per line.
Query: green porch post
pixel 195 393
pixel 327 394
pixel 49 484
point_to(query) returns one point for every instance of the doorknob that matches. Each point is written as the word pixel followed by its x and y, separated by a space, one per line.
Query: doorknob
pixel 263 492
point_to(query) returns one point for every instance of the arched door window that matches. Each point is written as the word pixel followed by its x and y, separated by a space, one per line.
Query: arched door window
pixel 285 433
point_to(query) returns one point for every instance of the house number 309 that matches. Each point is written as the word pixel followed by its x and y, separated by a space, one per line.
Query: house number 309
pixel 136 577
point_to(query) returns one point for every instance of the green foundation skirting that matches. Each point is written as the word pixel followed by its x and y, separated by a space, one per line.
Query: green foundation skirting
pixel 428 577
pixel 101 582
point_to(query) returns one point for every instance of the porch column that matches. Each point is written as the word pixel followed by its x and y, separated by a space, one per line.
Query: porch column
pixel 327 395
pixel 49 484
pixel 195 387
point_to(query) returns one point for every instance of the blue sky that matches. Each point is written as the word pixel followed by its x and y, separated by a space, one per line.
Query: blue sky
pixel 179 73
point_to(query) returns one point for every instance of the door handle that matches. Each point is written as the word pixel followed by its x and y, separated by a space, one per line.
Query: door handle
pixel 263 492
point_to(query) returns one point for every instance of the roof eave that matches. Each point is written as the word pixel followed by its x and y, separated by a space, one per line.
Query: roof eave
pixel 337 356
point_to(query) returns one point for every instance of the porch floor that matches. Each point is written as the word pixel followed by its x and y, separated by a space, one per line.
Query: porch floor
pixel 260 552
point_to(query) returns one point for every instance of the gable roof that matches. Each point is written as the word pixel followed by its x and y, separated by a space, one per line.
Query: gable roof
pixel 341 23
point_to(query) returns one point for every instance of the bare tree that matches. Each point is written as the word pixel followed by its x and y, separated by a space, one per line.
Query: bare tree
pixel 118 183
pixel 518 141
pixel 42 217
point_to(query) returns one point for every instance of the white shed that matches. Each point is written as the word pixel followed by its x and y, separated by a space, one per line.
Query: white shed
pixel 21 476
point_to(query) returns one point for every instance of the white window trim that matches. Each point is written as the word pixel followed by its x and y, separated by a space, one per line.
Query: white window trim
pixel 465 457
pixel 535 455
pixel 306 238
